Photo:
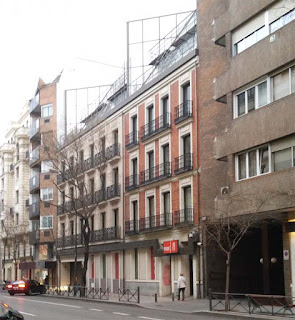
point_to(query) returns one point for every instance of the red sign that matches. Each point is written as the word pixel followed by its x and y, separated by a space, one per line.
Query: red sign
pixel 170 246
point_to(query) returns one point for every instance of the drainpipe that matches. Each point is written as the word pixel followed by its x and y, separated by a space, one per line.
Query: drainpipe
pixel 123 187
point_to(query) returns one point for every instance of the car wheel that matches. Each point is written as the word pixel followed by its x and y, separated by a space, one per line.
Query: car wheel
pixel 11 293
pixel 30 292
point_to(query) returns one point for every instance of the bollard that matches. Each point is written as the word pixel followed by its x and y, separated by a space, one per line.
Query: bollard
pixel 172 296
pixel 156 297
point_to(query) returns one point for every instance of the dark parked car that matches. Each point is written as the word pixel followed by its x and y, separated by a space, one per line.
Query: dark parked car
pixel 27 287
pixel 7 313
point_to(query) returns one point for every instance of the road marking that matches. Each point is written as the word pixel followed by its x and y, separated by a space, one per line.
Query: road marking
pixel 95 310
pixel 27 314
pixel 147 318
pixel 121 314
pixel 52 303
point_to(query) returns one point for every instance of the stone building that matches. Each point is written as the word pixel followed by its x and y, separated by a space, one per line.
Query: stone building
pixel 14 193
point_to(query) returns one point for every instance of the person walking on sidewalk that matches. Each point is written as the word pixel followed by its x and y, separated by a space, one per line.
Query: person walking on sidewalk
pixel 181 283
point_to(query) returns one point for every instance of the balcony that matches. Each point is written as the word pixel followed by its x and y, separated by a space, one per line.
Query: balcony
pixel 100 196
pixel 106 234
pixel 113 191
pixel 184 216
pixel 34 237
pixel 183 163
pixel 113 152
pixel 156 173
pixel 183 111
pixel 69 241
pixel 35 105
pixel 131 227
pixel 34 211
pixel 131 182
pixel 34 133
pixel 34 156
pixel 100 158
pixel 89 164
pixel 157 222
pixel 131 139
pixel 156 126
pixel 35 182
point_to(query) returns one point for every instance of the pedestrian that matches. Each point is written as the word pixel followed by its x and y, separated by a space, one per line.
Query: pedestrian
pixel 181 283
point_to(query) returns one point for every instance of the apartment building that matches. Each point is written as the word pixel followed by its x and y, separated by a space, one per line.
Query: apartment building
pixel 160 181
pixel 15 246
pixel 91 176
pixel 43 194
pixel 247 135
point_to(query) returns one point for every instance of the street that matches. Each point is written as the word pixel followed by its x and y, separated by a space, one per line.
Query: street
pixel 46 308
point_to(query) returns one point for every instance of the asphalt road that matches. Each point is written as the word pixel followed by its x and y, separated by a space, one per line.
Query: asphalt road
pixel 46 308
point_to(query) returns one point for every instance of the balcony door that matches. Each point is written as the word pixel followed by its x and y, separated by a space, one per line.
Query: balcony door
pixel 134 219
pixel 134 172
pixel 186 96
pixel 165 109
pixel 166 159
pixel 151 165
pixel 187 204
pixel 150 222
pixel 134 129
pixel 166 209
pixel 186 151
pixel 150 118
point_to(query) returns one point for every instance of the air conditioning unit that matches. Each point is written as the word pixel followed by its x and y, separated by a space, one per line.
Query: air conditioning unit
pixel 224 190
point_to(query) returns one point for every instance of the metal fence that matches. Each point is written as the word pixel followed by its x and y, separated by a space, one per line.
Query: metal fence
pixel 270 305
pixel 79 292
pixel 129 295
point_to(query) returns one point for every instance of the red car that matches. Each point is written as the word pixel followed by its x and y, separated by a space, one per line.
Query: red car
pixel 28 287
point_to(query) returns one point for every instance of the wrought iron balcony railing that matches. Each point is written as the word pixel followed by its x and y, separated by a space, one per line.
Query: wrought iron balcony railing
pixel 131 139
pixel 106 234
pixel 131 227
pixel 113 151
pixel 131 182
pixel 155 126
pixel 34 237
pixel 100 195
pixel 183 163
pixel 160 221
pixel 183 111
pixel 156 173
pixel 113 191
pixel 184 216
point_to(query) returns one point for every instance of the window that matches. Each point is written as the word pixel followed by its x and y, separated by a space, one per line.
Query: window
pixel 251 99
pixel 187 197
pixel 63 230
pixel 47 110
pixel 135 210
pixel 279 23
pixel 104 266
pixel 116 217
pixel 72 232
pixel 252 163
pixel 46 194
pixel 165 110
pixel 134 123
pixel 46 222
pixel 283 159
pixel 17 173
pixel 250 40
pixel 115 137
pixel 92 223
pixel 103 220
pixel 186 93
pixel 262 25
pixel 16 196
pixel 281 85
pixel 46 166
pixel 16 219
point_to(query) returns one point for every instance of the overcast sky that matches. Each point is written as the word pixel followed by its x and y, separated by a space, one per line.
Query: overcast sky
pixel 40 38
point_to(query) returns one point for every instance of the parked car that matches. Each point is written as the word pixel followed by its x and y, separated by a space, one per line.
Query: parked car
pixel 27 287
pixel 7 313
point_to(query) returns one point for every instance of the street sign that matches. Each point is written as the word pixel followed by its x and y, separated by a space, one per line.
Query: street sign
pixel 170 246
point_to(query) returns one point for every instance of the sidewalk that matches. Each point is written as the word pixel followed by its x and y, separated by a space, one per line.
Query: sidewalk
pixel 189 305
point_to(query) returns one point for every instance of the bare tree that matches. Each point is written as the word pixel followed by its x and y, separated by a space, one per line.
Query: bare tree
pixel 79 198
pixel 227 228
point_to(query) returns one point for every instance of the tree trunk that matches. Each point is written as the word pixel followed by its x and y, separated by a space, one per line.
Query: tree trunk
pixel 15 271
pixel 227 282
pixel 86 235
